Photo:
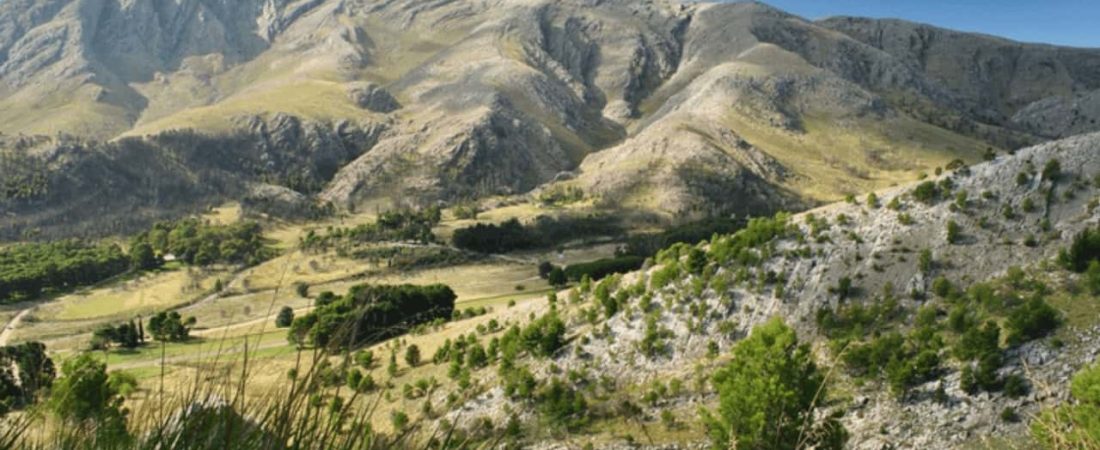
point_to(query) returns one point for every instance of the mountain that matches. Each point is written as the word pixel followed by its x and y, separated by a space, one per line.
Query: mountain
pixel 660 106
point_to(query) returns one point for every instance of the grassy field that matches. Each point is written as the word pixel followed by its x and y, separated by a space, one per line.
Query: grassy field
pixel 141 296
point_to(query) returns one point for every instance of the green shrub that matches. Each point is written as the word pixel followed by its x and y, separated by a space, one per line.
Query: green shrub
pixel 1073 424
pixel 1032 320
pixel 1084 249
pixel 768 394
pixel 927 192
pixel 954 232
pixel 562 406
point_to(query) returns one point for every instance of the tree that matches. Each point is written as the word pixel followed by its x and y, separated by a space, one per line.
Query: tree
pixel 545 268
pixel 926 262
pixel 954 232
pixel 170 327
pixel 1092 277
pixel 412 355
pixel 302 289
pixel 696 261
pixel 1053 170
pixel 142 257
pixel 1074 424
pixel 557 277
pixel 285 317
pixel 85 394
pixel 768 395
pixel 25 371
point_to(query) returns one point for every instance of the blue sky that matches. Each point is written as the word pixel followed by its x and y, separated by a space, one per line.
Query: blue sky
pixel 1062 22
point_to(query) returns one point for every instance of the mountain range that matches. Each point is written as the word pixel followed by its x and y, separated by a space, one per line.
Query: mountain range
pixel 115 113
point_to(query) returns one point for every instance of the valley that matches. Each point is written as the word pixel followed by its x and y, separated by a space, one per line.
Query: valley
pixel 571 224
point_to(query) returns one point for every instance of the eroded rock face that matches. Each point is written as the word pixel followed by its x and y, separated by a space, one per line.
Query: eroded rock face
pixel 372 97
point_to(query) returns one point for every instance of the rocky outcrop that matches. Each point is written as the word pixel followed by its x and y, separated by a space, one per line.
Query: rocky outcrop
pixel 372 97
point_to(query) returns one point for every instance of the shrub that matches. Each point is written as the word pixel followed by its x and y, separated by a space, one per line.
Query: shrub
pixel 1052 170
pixel 1084 249
pixel 562 406
pixel 1073 424
pixel 412 355
pixel 1022 178
pixel 1032 320
pixel 768 394
pixel 954 232
pixel 544 336
pixel 925 261
pixel 927 192
pixel 302 289
pixel 285 317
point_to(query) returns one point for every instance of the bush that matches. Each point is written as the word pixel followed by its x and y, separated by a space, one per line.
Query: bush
pixel 768 394
pixel 412 355
pixel 954 232
pixel 1032 320
pixel 544 336
pixel 562 406
pixel 1052 170
pixel 927 192
pixel 285 317
pixel 1084 250
pixel 302 289
pixel 1073 424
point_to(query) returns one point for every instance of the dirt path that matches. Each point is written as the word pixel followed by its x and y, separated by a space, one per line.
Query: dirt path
pixel 9 329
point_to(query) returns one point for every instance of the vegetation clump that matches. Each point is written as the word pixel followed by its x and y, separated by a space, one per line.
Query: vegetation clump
pixel 769 394
pixel 369 313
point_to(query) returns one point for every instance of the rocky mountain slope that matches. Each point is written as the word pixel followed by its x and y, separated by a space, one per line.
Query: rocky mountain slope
pixel 655 105
pixel 668 316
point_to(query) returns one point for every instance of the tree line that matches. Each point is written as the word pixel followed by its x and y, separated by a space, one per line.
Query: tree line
pixel 370 313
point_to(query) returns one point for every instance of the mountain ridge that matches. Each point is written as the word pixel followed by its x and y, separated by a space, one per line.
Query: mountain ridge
pixel 625 100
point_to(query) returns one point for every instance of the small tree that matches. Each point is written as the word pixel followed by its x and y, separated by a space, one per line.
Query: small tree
pixel 557 277
pixel 768 394
pixel 926 261
pixel 302 289
pixel 285 317
pixel 412 355
pixel 1053 170
pixel 545 268
pixel 954 232
pixel 142 257
pixel 85 394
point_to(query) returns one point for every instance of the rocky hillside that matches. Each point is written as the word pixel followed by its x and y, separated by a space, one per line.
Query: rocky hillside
pixel 654 105
pixel 920 260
